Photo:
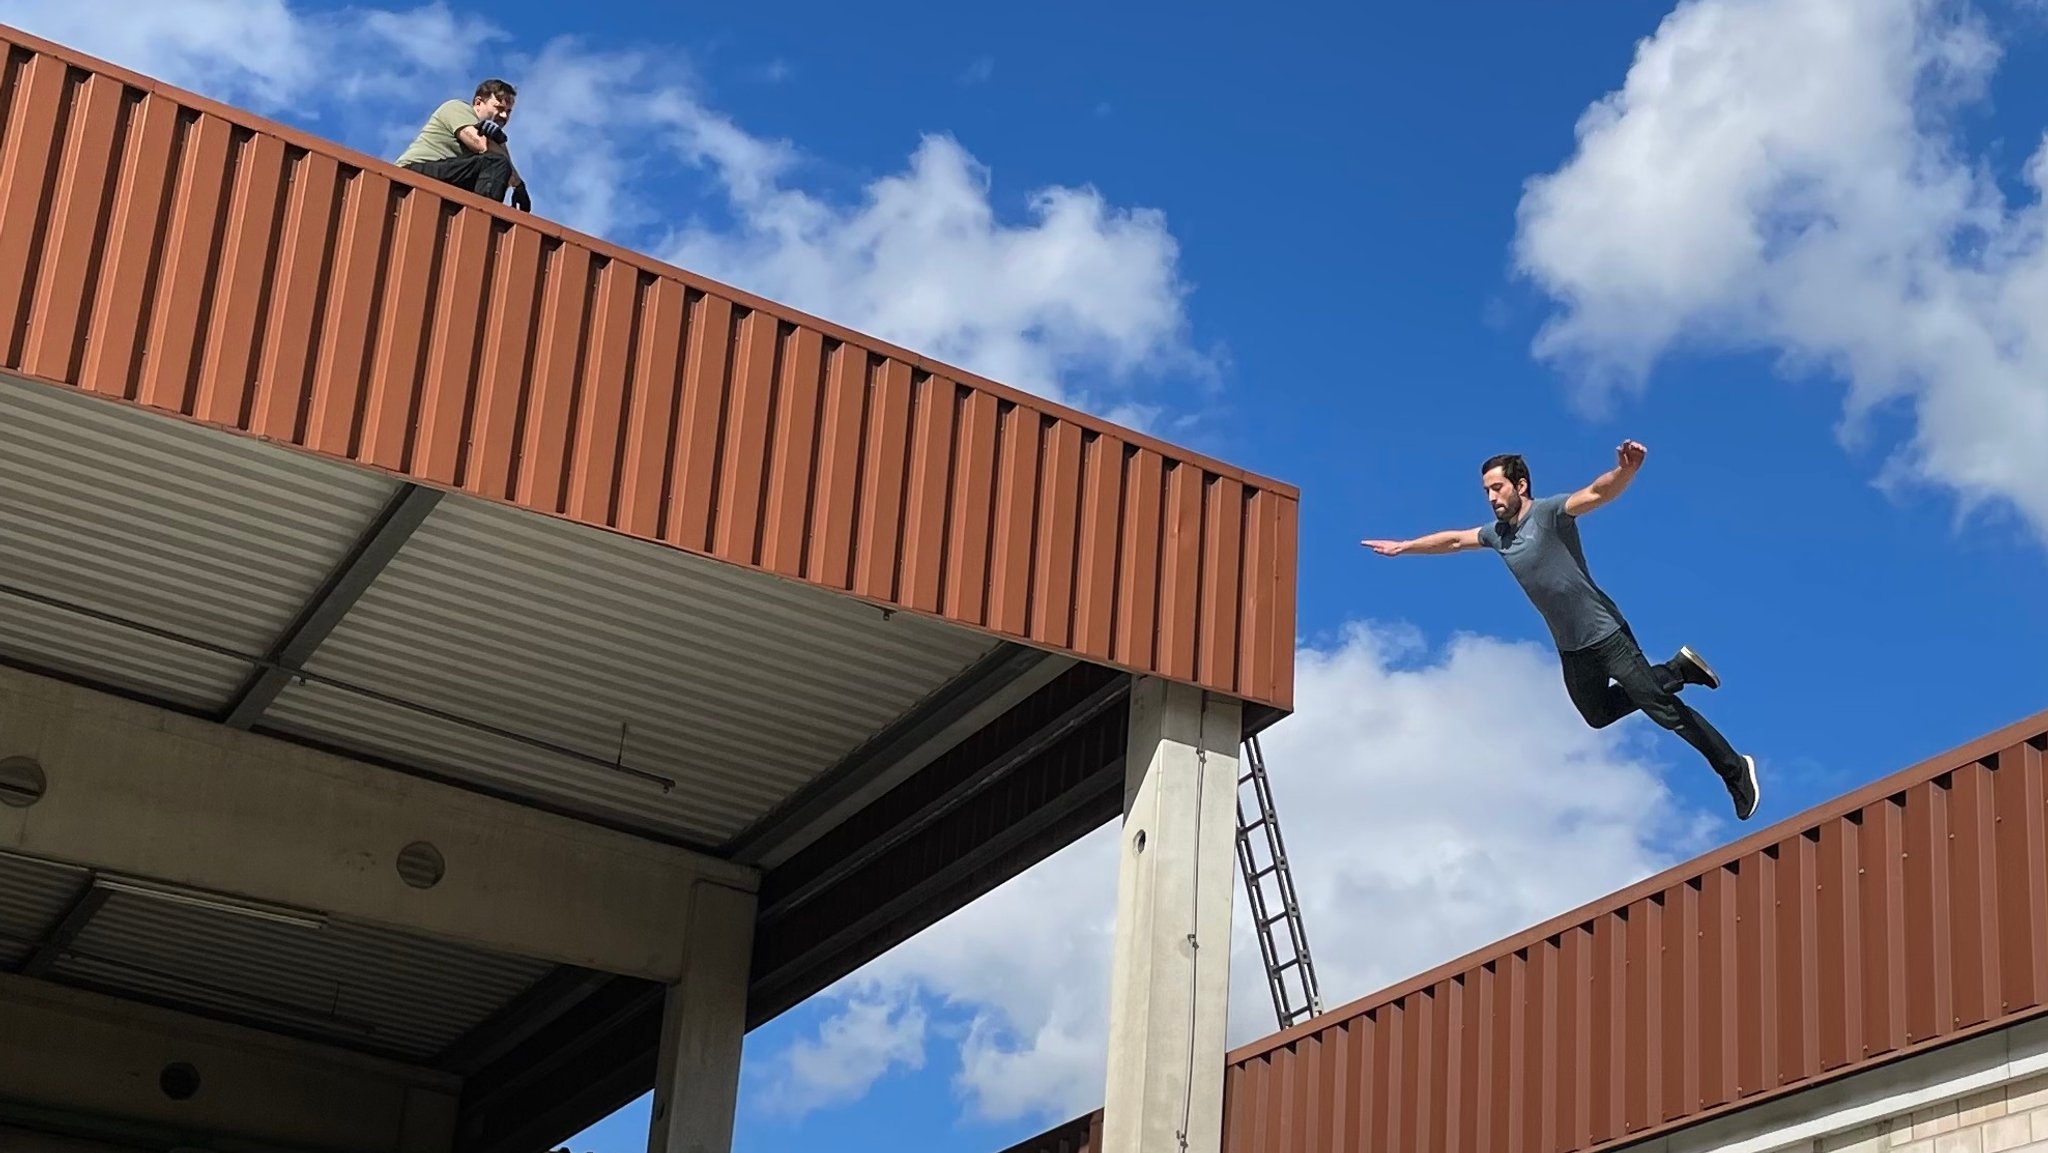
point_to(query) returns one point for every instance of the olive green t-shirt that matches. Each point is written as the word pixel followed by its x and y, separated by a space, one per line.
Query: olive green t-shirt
pixel 437 139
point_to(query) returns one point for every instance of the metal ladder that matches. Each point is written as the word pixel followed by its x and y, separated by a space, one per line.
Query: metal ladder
pixel 1296 1001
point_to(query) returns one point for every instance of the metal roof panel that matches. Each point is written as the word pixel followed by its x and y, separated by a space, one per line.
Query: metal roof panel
pixel 360 987
pixel 737 687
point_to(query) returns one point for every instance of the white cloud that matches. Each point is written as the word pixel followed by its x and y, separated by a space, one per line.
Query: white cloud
pixel 270 57
pixel 256 51
pixel 1787 175
pixel 872 1036
pixel 923 261
pixel 1432 801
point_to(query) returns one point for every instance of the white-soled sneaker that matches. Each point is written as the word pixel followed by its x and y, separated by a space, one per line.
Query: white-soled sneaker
pixel 1745 791
pixel 1693 669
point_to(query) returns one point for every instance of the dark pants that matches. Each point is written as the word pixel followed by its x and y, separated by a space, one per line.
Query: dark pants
pixel 485 173
pixel 1638 684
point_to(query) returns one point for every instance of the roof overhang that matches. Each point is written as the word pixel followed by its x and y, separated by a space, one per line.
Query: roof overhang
pixel 304 446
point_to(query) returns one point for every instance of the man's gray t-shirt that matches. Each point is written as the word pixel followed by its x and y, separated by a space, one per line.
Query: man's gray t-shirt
pixel 1544 554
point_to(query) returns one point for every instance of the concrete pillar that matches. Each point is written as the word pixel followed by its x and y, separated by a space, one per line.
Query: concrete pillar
pixel 704 1022
pixel 1171 975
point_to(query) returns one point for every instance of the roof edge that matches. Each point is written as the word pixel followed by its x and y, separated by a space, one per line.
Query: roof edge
pixel 558 231
pixel 1833 809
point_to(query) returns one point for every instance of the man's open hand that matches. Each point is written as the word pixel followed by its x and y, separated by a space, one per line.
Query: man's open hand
pixel 1386 547
pixel 1630 455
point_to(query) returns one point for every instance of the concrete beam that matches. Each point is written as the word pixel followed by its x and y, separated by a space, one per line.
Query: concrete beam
pixel 124 1066
pixel 143 792
pixel 1170 976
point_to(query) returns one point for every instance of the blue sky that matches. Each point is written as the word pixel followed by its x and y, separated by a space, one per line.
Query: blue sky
pixel 1306 239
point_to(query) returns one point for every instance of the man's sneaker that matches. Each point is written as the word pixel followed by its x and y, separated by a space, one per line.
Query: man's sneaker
pixel 1693 670
pixel 1744 790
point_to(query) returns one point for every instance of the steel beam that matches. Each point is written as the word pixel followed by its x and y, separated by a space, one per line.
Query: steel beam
pixel 961 787
pixel 400 518
pixel 550 999
pixel 987 690
pixel 66 930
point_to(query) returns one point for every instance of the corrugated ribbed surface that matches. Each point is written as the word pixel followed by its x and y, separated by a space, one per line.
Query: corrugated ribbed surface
pixel 33 898
pixel 212 537
pixel 362 987
pixel 163 248
pixel 739 687
pixel 1904 915
pixel 1081 1135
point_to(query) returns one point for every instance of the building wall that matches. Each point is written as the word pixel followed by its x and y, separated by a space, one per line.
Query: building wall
pixel 1988 1094
pixel 98 1069
pixel 2011 1118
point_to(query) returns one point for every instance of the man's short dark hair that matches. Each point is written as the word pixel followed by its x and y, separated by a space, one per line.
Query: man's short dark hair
pixel 490 88
pixel 1511 466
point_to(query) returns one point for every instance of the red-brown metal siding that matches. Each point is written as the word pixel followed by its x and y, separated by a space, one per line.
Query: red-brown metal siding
pixel 1908 914
pixel 162 249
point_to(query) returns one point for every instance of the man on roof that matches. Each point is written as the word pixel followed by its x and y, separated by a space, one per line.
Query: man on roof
pixel 1605 671
pixel 465 144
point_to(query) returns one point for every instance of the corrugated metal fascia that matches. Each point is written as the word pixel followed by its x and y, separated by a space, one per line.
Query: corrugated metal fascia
pixel 1910 913
pixel 2009 737
pixel 1081 1135
pixel 739 688
pixel 610 389
pixel 220 539
pixel 1907 914
pixel 33 898
pixel 361 987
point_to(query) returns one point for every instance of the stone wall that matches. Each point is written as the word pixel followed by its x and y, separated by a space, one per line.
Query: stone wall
pixel 2010 1118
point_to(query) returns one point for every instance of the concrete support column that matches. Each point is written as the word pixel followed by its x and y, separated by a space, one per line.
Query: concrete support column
pixel 704 1022
pixel 1171 975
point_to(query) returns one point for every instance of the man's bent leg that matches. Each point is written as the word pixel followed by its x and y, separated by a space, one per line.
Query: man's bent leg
pixel 1671 675
pixel 487 173
pixel 1599 700
pixel 1634 675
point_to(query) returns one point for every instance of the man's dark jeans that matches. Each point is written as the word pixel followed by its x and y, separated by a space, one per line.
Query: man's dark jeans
pixel 485 173
pixel 1638 684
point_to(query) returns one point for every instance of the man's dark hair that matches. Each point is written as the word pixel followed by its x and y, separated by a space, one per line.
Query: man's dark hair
pixel 491 88
pixel 1511 466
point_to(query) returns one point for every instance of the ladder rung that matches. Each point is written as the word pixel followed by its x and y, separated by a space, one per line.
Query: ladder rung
pixel 1285 1001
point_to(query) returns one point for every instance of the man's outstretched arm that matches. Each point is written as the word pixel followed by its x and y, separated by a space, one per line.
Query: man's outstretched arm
pixel 1610 484
pixel 1435 544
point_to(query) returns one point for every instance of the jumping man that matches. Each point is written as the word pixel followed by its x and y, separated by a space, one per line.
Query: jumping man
pixel 1538 537
pixel 464 144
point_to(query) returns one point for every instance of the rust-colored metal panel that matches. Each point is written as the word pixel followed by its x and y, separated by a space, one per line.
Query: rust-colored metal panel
pixel 1908 914
pixel 75 214
pixel 1019 448
pixel 162 249
pixel 792 456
